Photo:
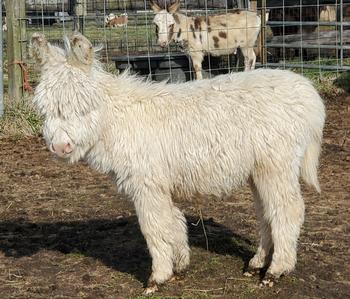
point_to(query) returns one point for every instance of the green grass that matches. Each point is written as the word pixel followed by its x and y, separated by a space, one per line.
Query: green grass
pixel 20 119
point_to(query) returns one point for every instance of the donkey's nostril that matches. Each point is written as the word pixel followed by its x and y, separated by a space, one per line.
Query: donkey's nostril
pixel 61 149
pixel 68 148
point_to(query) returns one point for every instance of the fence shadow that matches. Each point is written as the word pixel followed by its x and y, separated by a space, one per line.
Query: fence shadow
pixel 117 243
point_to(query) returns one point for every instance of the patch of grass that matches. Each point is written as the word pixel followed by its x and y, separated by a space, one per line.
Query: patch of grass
pixel 75 255
pixel 329 83
pixel 20 119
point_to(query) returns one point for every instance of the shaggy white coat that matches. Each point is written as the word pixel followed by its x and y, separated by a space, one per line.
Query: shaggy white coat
pixel 207 137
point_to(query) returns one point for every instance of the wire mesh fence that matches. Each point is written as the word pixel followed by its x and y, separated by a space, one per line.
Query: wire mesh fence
pixel 297 34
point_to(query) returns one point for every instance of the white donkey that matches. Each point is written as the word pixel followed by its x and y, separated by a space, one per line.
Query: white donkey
pixel 215 34
pixel 158 141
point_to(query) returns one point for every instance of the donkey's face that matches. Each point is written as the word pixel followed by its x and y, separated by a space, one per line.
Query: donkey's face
pixel 165 23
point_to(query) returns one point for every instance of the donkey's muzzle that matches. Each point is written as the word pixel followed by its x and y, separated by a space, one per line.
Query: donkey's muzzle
pixel 62 150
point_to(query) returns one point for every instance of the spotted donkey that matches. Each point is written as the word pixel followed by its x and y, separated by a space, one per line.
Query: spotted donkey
pixel 215 34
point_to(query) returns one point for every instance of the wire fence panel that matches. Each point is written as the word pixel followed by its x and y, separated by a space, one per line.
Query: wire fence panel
pixel 297 34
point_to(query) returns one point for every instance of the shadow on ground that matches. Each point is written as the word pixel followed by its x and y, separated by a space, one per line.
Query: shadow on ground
pixel 117 243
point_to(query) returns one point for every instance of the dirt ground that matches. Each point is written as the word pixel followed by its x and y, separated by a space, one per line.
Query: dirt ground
pixel 65 233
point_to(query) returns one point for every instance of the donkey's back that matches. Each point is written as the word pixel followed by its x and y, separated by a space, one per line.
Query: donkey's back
pixel 238 29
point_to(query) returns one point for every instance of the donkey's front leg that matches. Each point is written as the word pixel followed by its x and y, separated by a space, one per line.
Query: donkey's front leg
pixel 154 211
pixel 197 59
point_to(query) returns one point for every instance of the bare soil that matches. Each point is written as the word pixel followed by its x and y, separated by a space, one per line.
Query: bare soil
pixel 65 233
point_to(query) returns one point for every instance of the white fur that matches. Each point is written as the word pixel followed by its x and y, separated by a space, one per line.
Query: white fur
pixel 207 137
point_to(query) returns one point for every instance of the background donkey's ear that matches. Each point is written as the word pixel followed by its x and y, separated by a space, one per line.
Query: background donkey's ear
pixel 154 5
pixel 174 7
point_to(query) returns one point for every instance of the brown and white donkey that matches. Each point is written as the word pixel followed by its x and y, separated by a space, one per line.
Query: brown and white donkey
pixel 219 34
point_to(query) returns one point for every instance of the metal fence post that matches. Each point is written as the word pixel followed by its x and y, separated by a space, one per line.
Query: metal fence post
pixel 15 16
pixel 1 67
pixel 263 53
pixel 341 33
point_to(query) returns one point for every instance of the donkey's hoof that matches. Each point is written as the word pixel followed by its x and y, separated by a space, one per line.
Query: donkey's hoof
pixel 177 277
pixel 269 280
pixel 151 289
pixel 249 272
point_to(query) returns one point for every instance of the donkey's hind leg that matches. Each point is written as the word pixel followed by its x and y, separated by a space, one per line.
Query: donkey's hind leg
pixel 261 257
pixel 283 207
pixel 249 58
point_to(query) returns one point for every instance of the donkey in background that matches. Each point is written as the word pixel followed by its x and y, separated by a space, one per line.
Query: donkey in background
pixel 216 34
pixel 113 20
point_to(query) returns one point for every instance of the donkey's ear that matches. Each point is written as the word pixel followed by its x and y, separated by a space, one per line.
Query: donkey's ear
pixel 38 39
pixel 174 7
pixel 82 50
pixel 39 47
pixel 154 5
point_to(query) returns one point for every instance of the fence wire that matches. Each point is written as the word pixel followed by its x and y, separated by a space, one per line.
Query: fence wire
pixel 311 36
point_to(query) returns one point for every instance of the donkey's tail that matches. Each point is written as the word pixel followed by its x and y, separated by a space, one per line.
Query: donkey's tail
pixel 310 164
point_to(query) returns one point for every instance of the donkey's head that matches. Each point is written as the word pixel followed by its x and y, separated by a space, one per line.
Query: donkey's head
pixel 71 101
pixel 164 21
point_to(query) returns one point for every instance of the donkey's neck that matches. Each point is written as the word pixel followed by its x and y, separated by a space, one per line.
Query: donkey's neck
pixel 73 61
pixel 190 30
pixel 182 26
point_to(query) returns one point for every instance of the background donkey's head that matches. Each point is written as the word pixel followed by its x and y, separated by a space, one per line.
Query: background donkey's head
pixel 164 20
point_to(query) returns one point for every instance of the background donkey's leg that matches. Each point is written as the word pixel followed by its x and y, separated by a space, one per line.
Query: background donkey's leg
pixel 249 58
pixel 197 59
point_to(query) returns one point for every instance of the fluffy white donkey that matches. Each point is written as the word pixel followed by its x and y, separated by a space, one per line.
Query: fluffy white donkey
pixel 208 137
